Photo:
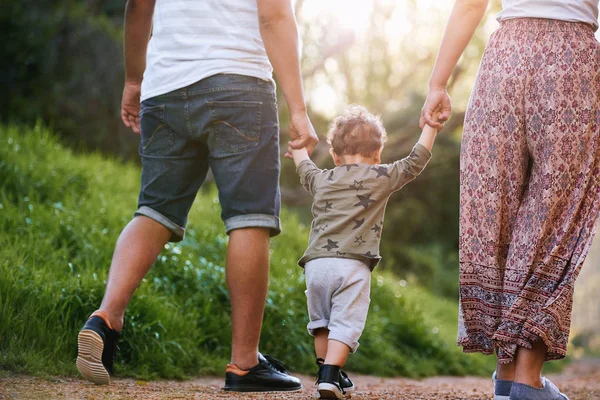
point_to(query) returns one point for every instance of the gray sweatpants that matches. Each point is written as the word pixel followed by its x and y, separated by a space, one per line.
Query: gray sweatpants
pixel 338 296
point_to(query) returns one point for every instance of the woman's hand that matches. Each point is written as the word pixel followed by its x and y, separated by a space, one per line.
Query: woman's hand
pixel 438 101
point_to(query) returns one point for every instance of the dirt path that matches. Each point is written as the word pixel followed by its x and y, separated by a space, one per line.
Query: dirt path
pixel 580 381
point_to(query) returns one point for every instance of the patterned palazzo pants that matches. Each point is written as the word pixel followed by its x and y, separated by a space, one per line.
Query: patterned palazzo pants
pixel 530 185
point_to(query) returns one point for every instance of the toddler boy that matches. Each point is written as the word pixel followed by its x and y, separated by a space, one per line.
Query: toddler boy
pixel 348 208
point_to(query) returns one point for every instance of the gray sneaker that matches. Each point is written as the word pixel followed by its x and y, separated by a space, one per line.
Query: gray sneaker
pixel 501 388
pixel 549 391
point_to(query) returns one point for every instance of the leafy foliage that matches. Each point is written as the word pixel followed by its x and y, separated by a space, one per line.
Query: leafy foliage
pixel 62 64
pixel 60 215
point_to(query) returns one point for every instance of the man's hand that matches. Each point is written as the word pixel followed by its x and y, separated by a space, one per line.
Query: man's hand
pixel 302 133
pixel 138 26
pixel 130 106
pixel 437 100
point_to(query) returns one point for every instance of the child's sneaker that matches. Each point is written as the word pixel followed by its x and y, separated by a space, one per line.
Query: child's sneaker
pixel 549 391
pixel 501 388
pixel 268 376
pixel 345 383
pixel 96 349
pixel 328 382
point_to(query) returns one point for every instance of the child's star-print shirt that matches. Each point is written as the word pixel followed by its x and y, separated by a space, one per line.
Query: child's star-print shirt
pixel 349 204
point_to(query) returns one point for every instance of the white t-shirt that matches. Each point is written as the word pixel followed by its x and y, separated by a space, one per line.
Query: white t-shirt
pixel 563 10
pixel 192 40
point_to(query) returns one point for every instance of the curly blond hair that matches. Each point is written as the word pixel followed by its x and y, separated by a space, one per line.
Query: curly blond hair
pixel 356 131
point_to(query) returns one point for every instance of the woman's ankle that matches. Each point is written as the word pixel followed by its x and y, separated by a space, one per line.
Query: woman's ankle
pixel 505 372
pixel 530 380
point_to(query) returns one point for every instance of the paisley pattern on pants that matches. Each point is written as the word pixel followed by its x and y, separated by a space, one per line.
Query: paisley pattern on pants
pixel 530 185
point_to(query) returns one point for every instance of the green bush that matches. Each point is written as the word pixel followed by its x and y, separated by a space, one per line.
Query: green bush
pixel 60 215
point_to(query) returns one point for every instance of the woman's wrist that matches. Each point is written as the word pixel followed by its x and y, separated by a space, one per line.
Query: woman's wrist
pixel 433 85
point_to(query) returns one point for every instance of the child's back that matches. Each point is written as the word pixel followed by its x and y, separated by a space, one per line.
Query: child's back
pixel 348 211
pixel 349 205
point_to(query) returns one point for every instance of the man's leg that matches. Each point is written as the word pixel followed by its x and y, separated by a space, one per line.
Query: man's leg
pixel 247 280
pixel 137 248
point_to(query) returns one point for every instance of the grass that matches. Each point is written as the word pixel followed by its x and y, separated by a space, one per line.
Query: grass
pixel 60 215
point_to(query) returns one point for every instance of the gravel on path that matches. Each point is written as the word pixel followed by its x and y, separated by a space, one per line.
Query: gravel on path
pixel 580 381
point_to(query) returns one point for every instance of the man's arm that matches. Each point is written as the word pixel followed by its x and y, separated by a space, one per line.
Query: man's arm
pixel 280 36
pixel 138 26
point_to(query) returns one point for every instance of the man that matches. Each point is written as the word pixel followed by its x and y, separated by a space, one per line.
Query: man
pixel 207 100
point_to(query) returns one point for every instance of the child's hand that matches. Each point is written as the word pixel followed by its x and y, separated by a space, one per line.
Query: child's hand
pixel 430 132
pixel 289 153
pixel 436 117
pixel 298 155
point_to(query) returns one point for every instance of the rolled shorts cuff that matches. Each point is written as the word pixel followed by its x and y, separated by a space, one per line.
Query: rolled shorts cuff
pixel 347 340
pixel 254 221
pixel 178 232
pixel 314 325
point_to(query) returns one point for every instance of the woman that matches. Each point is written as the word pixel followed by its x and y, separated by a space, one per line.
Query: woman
pixel 530 180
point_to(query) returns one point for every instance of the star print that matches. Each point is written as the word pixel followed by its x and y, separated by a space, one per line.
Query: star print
pixel 381 171
pixel 330 177
pixel 349 166
pixel 328 205
pixel 368 254
pixel 364 201
pixel 376 229
pixel 357 185
pixel 358 223
pixel 359 240
pixel 331 245
pixel 307 186
pixel 320 228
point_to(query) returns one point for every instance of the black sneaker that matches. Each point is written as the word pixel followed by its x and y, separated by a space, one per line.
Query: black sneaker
pixel 96 349
pixel 328 382
pixel 268 376
pixel 345 383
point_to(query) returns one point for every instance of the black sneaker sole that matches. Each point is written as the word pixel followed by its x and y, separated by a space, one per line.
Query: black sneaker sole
pixel 260 389
pixel 89 357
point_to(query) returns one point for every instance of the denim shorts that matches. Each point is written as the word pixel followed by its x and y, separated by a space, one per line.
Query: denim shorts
pixel 227 123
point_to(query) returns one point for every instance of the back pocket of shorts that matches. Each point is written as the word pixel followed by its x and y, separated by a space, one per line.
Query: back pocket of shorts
pixel 236 124
pixel 156 135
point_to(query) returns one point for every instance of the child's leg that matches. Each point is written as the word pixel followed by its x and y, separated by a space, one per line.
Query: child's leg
pixel 321 338
pixel 349 308
pixel 319 289
pixel 337 353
